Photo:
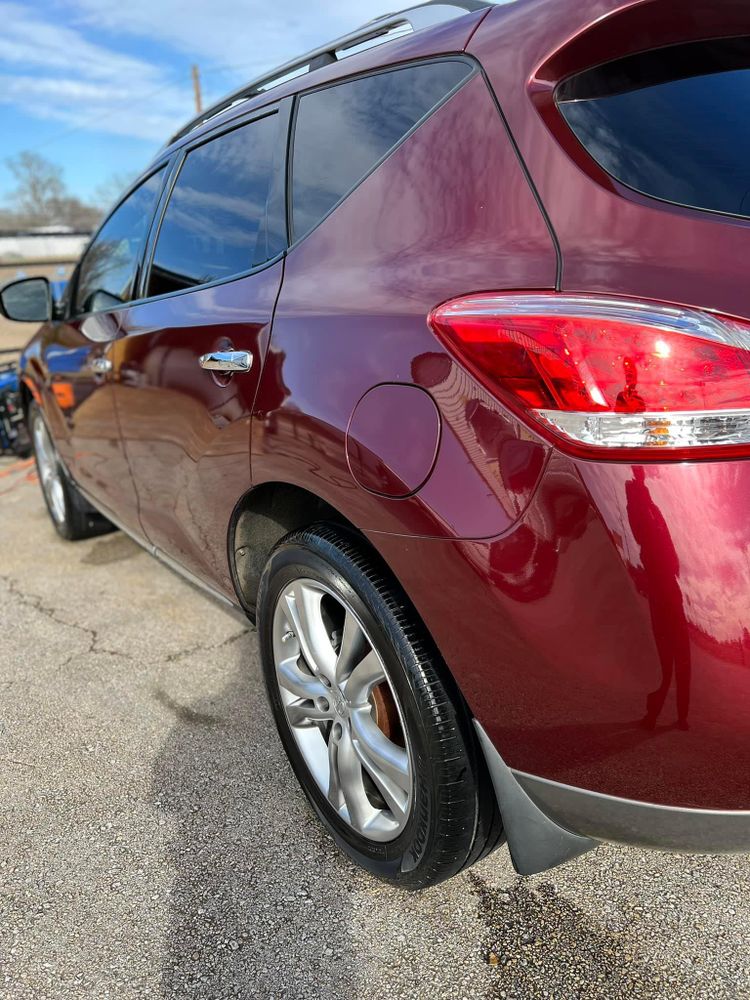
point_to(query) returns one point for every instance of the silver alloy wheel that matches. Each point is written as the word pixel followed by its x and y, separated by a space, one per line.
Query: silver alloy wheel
pixel 342 709
pixel 49 469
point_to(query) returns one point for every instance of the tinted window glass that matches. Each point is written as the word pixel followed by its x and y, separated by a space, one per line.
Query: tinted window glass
pixel 214 225
pixel 671 123
pixel 107 272
pixel 344 130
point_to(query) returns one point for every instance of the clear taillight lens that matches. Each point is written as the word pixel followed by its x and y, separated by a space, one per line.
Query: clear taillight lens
pixel 619 378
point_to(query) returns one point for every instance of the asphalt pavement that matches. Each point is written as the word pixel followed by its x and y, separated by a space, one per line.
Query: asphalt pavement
pixel 154 842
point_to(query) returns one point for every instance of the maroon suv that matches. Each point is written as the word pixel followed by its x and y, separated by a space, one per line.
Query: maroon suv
pixel 430 351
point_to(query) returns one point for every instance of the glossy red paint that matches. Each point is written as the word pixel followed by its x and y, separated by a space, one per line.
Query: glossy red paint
pixel 86 428
pixel 353 313
pixel 595 615
pixel 187 434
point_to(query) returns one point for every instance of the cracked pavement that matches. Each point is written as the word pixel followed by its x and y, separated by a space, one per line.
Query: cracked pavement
pixel 154 843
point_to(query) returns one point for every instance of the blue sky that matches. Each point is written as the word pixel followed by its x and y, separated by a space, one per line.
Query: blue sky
pixel 97 85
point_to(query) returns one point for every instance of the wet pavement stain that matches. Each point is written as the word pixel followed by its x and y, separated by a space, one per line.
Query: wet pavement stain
pixel 536 935
pixel 116 548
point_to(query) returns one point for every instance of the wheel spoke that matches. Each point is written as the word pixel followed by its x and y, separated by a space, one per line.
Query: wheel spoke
pixel 41 446
pixel 304 609
pixel 304 713
pixel 352 786
pixel 49 475
pixel 379 754
pixel 354 646
pixel 363 679
pixel 396 798
pixel 298 681
pixel 335 796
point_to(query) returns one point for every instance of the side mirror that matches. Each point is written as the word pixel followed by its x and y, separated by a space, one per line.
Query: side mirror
pixel 28 300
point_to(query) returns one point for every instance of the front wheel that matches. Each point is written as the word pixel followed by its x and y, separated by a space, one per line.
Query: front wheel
pixel 70 513
pixel 373 726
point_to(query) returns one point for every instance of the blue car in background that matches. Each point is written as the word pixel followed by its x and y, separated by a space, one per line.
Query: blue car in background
pixel 14 439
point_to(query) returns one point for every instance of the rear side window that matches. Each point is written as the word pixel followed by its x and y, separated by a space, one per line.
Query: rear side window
pixel 214 226
pixel 108 269
pixel 671 123
pixel 342 132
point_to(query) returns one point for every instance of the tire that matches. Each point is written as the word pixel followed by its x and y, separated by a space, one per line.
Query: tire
pixel 73 517
pixel 353 679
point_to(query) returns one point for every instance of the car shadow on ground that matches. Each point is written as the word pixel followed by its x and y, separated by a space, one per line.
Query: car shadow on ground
pixel 259 902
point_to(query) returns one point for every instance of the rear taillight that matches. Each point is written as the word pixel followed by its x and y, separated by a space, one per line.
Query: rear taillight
pixel 608 377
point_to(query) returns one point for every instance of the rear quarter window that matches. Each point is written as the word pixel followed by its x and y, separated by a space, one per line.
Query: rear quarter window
pixel 343 131
pixel 670 123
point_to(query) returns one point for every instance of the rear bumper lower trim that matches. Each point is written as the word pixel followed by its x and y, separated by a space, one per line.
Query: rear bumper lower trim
pixel 547 823
pixel 641 824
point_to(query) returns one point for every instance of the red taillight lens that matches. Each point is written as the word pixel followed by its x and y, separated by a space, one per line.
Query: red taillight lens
pixel 611 376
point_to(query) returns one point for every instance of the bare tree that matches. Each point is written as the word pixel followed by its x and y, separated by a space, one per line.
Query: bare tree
pixel 41 198
pixel 40 186
pixel 110 189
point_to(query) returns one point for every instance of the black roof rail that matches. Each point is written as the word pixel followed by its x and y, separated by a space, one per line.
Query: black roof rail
pixel 424 15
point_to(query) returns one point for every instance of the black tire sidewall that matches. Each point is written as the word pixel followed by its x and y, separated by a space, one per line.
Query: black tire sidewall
pixel 79 520
pixel 61 527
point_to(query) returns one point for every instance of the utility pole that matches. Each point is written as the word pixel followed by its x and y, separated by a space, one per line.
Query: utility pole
pixel 197 89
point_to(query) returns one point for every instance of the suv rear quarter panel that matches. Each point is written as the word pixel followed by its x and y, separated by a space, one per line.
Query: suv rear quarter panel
pixel 556 630
pixel 448 212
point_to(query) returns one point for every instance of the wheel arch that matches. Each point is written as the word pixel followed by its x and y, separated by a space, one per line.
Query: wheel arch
pixel 29 393
pixel 273 509
pixel 260 520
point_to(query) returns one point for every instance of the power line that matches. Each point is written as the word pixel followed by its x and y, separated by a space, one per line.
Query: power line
pixel 84 125
pixel 93 119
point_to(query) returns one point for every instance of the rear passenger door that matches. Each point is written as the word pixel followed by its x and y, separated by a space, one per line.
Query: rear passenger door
pixel 209 288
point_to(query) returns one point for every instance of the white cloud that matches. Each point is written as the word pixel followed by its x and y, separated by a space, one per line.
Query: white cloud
pixel 66 62
pixel 52 72
pixel 253 33
pixel 81 104
pixel 28 40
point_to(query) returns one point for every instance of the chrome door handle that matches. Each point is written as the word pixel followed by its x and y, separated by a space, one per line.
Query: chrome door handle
pixel 100 365
pixel 227 361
